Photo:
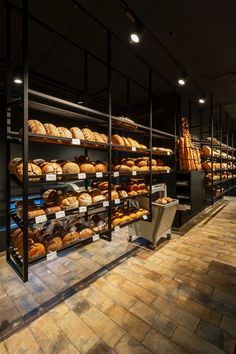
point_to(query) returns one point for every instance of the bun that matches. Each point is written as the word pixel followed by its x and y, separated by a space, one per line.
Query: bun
pixel 36 250
pixel 85 199
pixel 51 129
pixel 52 244
pixel 100 167
pixel 64 132
pixel 85 233
pixel 98 198
pixel 88 134
pixel 71 237
pixel 52 210
pixel 127 162
pixel 87 168
pixel 117 140
pixel 69 202
pixel 134 168
pixel 71 168
pixel 36 127
pixel 77 133
pixel 51 167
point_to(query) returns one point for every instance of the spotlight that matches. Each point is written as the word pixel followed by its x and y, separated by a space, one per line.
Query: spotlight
pixel 18 81
pixel 136 32
pixel 183 79
pixel 202 99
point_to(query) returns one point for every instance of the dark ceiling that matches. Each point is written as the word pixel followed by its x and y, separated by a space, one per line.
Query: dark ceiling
pixel 200 35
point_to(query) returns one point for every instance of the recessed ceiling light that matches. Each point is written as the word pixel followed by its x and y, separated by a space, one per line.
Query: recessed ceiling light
pixel 183 77
pixel 202 99
pixel 136 32
pixel 18 81
pixel 134 38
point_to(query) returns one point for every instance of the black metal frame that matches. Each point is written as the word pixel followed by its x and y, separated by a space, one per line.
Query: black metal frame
pixel 21 265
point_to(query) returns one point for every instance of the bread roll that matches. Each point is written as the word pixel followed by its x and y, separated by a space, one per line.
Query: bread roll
pixel 100 167
pixel 134 168
pixel 88 134
pixel 51 168
pixel 85 199
pixel 98 137
pixel 70 168
pixel 117 140
pixel 142 163
pixel 36 127
pixel 104 137
pixel 124 168
pixel 87 168
pixel 33 213
pixel 51 129
pixel 64 132
pixel 86 233
pixel 77 133
pixel 144 168
pixel 52 244
pixel 127 162
pixel 154 163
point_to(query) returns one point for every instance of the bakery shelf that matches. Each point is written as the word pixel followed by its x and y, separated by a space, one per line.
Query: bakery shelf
pixel 145 217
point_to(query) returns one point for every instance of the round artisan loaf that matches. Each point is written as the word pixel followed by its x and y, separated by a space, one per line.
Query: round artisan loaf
pixel 85 233
pixel 51 129
pixel 206 150
pixel 98 137
pixel 64 132
pixel 124 168
pixel 100 167
pixel 70 168
pixel 13 163
pixel 71 237
pixel 85 199
pixel 51 168
pixel 69 202
pixel 87 168
pixel 36 127
pixel 77 133
pixel 33 170
pixel 142 163
pixel 98 198
pixel 52 244
pixel 88 134
pixel 36 250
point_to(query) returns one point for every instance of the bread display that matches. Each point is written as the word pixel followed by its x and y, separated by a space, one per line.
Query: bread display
pixel 126 142
pixel 36 250
pixel 140 164
pixel 123 215
pixel 164 200
pixel 51 129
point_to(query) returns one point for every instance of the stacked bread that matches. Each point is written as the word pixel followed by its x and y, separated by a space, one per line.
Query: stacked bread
pixel 126 214
pixel 208 165
pixel 140 164
pixel 86 134
pixel 38 167
pixel 164 200
pixel 189 155
pixel 128 142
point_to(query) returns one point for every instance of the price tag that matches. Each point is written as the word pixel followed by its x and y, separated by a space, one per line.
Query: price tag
pixel 60 214
pixel 134 173
pixel 96 237
pixel 145 217
pixel 40 218
pixel 134 148
pixel 99 174
pixel 117 228
pixel 75 142
pixel 106 203
pixel 117 201
pixel 51 177
pixel 51 255
pixel 81 175
pixel 82 209
pixel 116 174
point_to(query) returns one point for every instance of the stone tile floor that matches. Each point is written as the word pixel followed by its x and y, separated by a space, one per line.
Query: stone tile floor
pixel 180 298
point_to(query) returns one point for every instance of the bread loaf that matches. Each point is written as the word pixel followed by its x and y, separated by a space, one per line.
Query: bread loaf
pixel 51 168
pixel 77 133
pixel 64 132
pixel 88 134
pixel 70 168
pixel 51 129
pixel 85 199
pixel 36 127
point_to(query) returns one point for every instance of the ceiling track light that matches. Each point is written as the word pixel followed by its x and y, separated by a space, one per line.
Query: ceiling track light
pixel 202 98
pixel 17 80
pixel 136 32
pixel 183 78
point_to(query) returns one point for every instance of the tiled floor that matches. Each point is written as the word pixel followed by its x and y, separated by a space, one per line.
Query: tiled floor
pixel 178 299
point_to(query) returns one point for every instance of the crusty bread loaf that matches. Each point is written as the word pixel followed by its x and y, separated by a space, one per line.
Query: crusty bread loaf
pixel 86 233
pixel 36 127
pixel 117 140
pixel 87 168
pixel 100 167
pixel 33 170
pixel 85 199
pixel 64 132
pixel 51 129
pixel 52 244
pixel 88 134
pixel 71 168
pixel 71 237
pixel 51 168
pixel 36 250
pixel 77 133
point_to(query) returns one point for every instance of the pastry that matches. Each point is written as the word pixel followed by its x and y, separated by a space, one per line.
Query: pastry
pixel 36 127
pixel 64 132
pixel 84 199
pixel 33 170
pixel 51 129
pixel 69 202
pixel 85 233
pixel 51 168
pixel 70 168
pixel 87 168
pixel 36 250
pixel 98 198
pixel 77 133
pixel 71 237
pixel 117 140
pixel 88 134
pixel 53 209
pixel 100 167
pixel 52 244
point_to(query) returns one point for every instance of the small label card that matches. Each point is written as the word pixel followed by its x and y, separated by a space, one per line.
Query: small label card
pixel 116 174
pixel 134 173
pixel 145 217
pixel 51 177
pixel 60 214
pixel 134 148
pixel 117 228
pixel 81 175
pixel 106 203
pixel 117 201
pixel 96 237
pixel 99 174
pixel 40 218
pixel 51 255
pixel 82 209
pixel 75 142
